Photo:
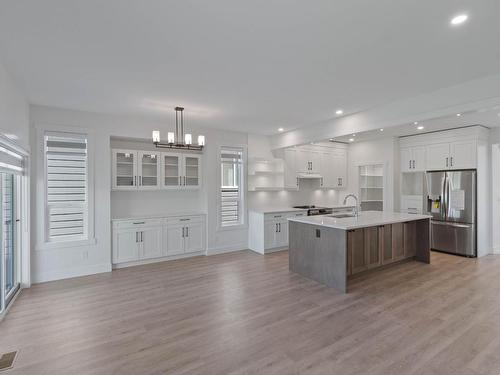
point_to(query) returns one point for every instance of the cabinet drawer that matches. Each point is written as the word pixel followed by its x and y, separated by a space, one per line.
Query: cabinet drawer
pixel 137 223
pixel 184 220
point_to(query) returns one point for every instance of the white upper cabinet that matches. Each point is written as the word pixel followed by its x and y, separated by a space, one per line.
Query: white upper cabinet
pixel 340 168
pixel 327 170
pixel 180 171
pixel 463 155
pixel 124 170
pixel 446 150
pixel 171 168
pixel 413 159
pixel 147 170
pixel 191 168
pixel 290 169
pixel 438 156
pixel 308 160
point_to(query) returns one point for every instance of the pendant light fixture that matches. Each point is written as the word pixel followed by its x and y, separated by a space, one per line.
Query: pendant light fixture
pixel 179 140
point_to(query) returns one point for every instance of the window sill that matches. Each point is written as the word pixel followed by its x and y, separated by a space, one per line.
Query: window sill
pixel 63 244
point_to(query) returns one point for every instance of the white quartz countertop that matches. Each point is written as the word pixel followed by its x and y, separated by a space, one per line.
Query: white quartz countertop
pixel 159 216
pixel 364 220
pixel 275 210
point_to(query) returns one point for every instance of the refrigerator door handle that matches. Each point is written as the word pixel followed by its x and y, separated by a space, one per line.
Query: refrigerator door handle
pixel 449 224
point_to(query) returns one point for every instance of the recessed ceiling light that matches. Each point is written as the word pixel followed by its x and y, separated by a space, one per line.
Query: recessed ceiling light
pixel 457 20
pixel 339 112
pixel 351 139
pixel 281 130
pixel 459 114
pixel 353 134
pixel 415 123
pixel 420 127
pixel 381 129
pixel 331 139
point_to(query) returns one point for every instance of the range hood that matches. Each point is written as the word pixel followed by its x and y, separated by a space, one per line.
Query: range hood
pixel 309 175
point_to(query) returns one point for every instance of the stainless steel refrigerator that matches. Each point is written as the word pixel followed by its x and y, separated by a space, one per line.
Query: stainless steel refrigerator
pixel 451 200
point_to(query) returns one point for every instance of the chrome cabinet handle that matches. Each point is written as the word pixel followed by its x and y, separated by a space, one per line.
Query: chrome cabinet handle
pixel 136 236
pixel 135 180
pixel 410 164
pixel 187 231
pixel 138 222
pixel 413 164
pixel 451 161
pixel 183 231
pixel 446 162
pixel 297 181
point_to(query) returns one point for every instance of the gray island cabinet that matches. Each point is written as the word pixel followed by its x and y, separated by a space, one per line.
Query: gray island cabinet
pixel 331 250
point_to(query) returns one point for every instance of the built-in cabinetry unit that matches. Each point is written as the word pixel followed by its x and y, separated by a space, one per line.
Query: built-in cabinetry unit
pixel 325 163
pixel 143 239
pixel 150 170
pixel 376 246
pixel 268 231
pixel 454 149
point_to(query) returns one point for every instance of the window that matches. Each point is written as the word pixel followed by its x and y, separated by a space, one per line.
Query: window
pixel 231 198
pixel 66 168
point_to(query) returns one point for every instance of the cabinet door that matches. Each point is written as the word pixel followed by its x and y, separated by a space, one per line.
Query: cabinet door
pixel 303 161
pixel 175 239
pixel 406 160
pixel 418 164
pixel 125 246
pixel 398 251
pixel 282 234
pixel 356 248
pixel 340 168
pixel 171 165
pixel 193 238
pixel 372 248
pixel 328 170
pixel 410 239
pixel 151 242
pixel 315 161
pixel 463 155
pixel 124 170
pixel 385 243
pixel 291 181
pixel 148 170
pixel 270 231
pixel 192 171
pixel 437 156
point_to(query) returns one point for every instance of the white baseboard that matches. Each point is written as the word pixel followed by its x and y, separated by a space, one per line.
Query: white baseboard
pixel 495 250
pixel 156 260
pixel 71 272
pixel 227 249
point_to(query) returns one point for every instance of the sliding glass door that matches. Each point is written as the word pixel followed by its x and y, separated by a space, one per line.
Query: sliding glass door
pixel 10 261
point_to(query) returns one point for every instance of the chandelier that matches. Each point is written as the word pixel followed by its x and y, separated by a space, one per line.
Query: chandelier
pixel 179 140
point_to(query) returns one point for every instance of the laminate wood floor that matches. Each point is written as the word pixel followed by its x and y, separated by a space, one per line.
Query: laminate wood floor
pixel 244 313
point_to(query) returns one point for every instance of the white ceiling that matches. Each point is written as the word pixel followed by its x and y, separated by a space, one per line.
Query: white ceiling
pixel 244 65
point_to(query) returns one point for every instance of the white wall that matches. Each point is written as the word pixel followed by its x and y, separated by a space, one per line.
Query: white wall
pixel 495 189
pixel 69 262
pixel 14 111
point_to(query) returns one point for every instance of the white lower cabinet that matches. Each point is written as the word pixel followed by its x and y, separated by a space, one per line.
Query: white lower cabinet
pixel 268 232
pixel 144 239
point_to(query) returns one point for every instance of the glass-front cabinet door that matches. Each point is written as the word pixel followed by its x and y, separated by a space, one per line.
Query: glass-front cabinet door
pixel 172 177
pixel 192 171
pixel 124 170
pixel 149 170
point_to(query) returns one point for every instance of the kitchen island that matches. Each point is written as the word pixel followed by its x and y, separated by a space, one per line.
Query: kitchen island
pixel 332 249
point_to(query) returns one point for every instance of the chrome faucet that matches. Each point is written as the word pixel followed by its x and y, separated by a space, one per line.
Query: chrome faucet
pixel 356 206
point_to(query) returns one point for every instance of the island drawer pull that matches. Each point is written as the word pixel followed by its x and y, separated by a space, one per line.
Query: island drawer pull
pixel 139 222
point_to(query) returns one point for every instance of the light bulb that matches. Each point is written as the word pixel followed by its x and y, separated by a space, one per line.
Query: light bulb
pixel 156 136
pixel 201 140
pixel 188 139
pixel 170 137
